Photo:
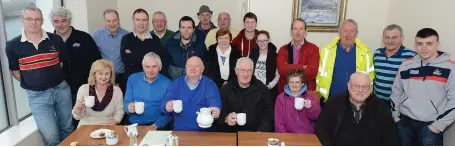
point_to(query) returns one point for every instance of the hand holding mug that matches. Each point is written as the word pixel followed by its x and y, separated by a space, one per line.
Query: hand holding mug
pixel 139 107
pixel 307 104
pixel 131 108
pixel 169 106
pixel 215 112
pixel 177 106
pixel 231 119
pixel 80 103
pixel 89 101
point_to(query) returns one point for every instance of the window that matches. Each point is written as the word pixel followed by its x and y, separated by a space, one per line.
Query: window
pixel 13 98
pixel 12 11
pixel 3 113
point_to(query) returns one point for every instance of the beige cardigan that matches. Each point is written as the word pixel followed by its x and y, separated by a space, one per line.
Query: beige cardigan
pixel 113 111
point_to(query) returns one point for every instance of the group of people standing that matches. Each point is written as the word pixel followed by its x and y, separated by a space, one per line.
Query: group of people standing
pixel 342 92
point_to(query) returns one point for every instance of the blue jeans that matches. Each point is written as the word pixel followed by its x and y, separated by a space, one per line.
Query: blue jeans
pixel 413 132
pixel 51 109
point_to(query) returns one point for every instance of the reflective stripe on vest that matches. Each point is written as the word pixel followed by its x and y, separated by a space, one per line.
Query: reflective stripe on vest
pixel 324 63
pixel 323 91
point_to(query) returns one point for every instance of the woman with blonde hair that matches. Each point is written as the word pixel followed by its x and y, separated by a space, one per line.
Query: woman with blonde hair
pixel 108 105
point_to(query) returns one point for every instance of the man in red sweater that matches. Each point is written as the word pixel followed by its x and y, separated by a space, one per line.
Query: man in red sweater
pixel 246 39
pixel 299 53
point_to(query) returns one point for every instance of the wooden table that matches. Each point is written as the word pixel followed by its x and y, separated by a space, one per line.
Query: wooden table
pixel 260 139
pixel 82 136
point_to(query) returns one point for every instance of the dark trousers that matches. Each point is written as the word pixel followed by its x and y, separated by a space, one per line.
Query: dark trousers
pixel 412 132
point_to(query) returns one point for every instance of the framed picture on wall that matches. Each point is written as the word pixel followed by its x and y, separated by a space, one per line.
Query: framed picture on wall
pixel 320 15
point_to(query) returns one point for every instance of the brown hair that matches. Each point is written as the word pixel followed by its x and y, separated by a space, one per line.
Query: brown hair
pixel 301 20
pixel 222 32
pixel 263 32
pixel 296 72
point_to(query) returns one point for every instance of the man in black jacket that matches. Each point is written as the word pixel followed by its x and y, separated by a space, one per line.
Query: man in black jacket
pixel 245 94
pixel 82 51
pixel 356 117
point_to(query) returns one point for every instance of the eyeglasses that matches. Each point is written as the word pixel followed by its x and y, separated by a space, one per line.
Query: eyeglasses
pixel 263 41
pixel 158 21
pixel 360 87
pixel 29 19
pixel 242 71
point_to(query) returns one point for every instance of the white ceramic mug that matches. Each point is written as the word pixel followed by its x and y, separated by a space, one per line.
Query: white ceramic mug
pixel 89 101
pixel 139 107
pixel 111 138
pixel 241 119
pixel 299 103
pixel 177 106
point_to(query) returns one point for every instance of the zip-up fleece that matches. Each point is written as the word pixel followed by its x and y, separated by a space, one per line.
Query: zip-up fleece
pixel 425 90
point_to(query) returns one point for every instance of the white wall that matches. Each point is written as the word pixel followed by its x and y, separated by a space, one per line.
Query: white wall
pixel 95 10
pixel 79 10
pixel 175 9
pixel 276 17
pixel 419 14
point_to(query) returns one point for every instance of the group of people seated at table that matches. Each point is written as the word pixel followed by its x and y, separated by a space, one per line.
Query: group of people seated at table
pixel 245 81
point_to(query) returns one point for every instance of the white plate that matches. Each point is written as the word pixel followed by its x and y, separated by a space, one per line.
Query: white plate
pixel 100 133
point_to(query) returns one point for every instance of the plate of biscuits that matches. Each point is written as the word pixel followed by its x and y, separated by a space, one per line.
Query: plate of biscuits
pixel 100 133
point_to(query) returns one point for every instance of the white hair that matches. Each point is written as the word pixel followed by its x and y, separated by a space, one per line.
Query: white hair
pixel 152 56
pixel 63 12
pixel 360 74
pixel 349 21
pixel 244 59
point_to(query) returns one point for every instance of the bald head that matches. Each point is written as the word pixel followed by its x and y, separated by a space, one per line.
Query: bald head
pixel 360 76
pixel 360 87
pixel 194 67
pixel 224 20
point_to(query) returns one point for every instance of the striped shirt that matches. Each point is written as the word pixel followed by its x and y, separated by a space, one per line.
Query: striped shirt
pixel 386 69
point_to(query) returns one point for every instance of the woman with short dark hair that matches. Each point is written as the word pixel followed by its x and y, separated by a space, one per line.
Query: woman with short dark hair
pixel 221 58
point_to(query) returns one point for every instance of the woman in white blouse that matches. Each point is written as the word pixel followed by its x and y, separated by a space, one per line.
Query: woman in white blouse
pixel 264 58
pixel 108 108
pixel 221 58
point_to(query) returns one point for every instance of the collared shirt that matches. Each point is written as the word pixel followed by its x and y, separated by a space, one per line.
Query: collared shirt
pixel 39 64
pixel 344 66
pixel 147 36
pixel 386 69
pixel 296 50
pixel 109 46
pixel 357 114
pixel 191 85
pixel 145 79
pixel 24 38
pixel 156 33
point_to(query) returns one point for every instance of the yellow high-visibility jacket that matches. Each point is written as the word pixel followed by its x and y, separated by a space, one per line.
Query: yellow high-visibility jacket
pixel 364 63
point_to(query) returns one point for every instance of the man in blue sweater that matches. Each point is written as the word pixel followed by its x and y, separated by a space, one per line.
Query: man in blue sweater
pixel 195 91
pixel 148 87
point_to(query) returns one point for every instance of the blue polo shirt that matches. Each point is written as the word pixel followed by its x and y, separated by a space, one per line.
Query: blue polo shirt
pixel 140 90
pixel 109 46
pixel 345 65
pixel 39 64
pixel 386 69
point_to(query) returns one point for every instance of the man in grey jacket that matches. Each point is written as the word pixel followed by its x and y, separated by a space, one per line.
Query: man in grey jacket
pixel 423 93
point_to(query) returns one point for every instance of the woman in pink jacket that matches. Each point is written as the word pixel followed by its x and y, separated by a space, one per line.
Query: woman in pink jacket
pixel 292 116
